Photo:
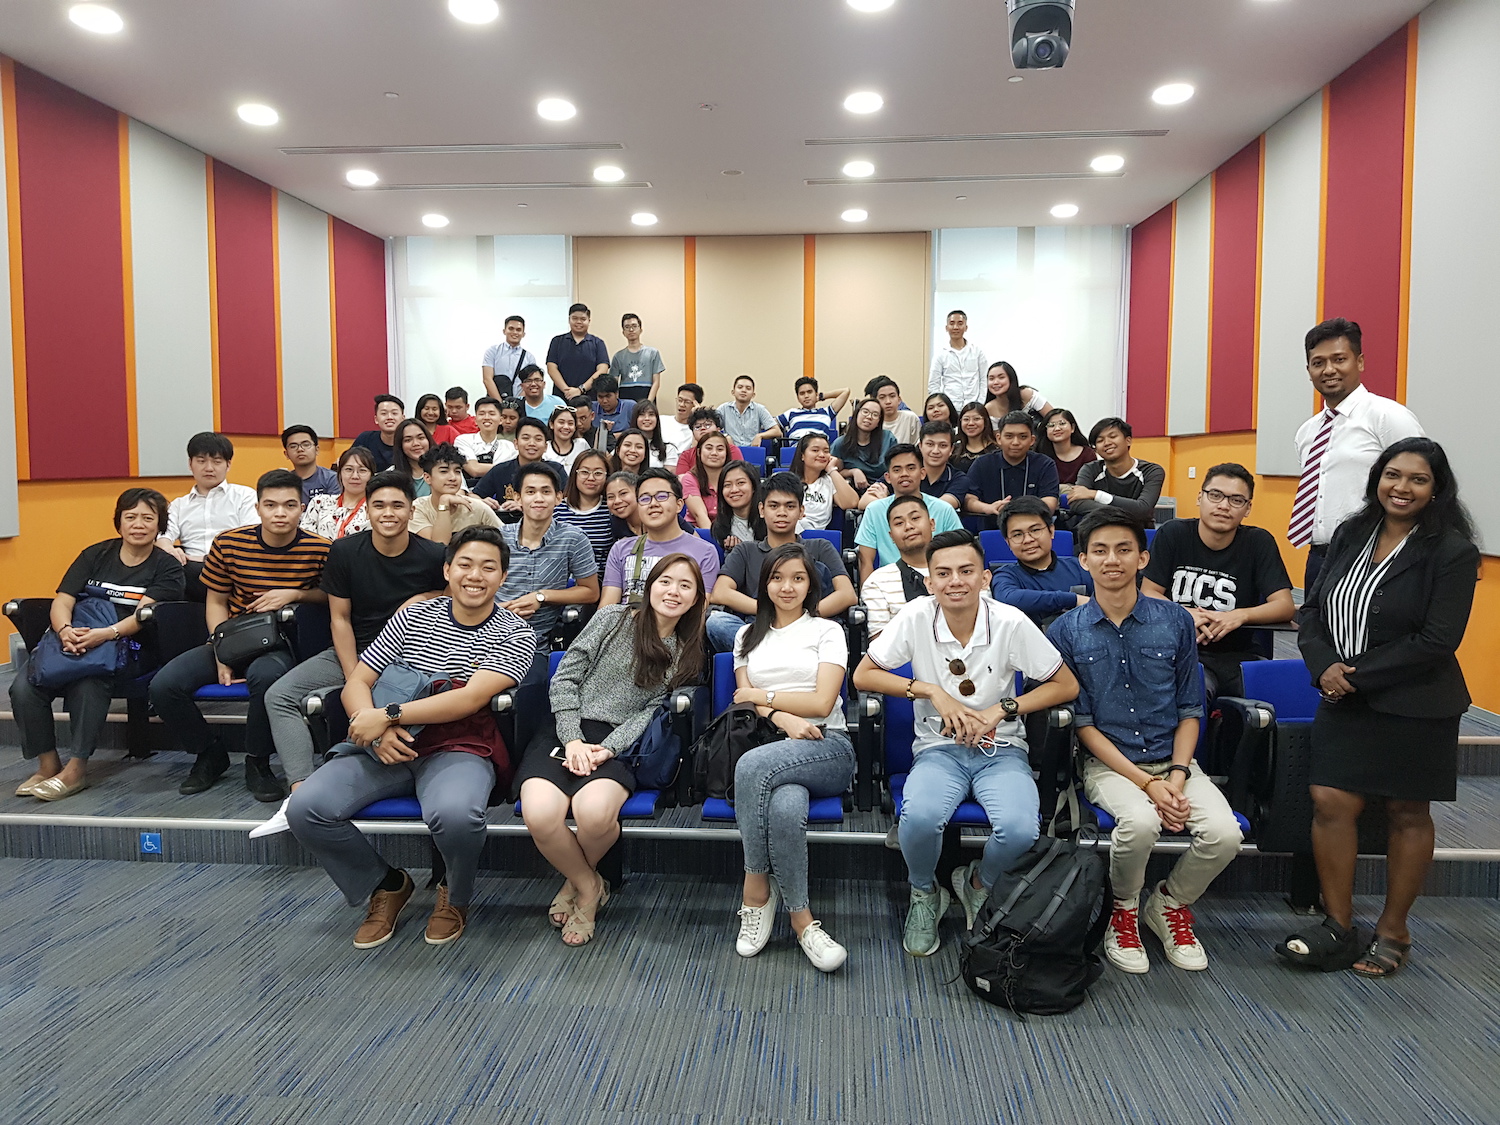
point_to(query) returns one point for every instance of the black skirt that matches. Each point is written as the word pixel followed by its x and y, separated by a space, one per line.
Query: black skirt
pixel 540 764
pixel 1361 750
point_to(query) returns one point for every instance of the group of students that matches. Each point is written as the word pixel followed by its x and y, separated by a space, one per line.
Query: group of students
pixel 466 581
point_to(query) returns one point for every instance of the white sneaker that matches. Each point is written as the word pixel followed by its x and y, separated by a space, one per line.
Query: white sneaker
pixel 756 923
pixel 1122 941
pixel 277 823
pixel 1172 922
pixel 825 953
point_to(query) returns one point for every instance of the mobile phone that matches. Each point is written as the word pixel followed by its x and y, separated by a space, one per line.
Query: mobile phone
pixel 559 753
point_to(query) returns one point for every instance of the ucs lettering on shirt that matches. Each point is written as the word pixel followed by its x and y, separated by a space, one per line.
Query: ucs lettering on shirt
pixel 1204 591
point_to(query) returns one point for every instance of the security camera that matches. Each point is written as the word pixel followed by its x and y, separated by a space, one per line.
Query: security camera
pixel 1040 33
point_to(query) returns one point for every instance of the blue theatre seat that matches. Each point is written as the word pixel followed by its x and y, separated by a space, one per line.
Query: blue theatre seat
pixel 755 455
pixel 997 551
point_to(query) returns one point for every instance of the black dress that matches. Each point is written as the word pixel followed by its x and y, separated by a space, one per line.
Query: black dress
pixel 539 762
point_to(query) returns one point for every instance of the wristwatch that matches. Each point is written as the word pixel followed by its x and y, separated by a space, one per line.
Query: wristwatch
pixel 1010 707
pixel 541 597
pixel 393 712
pixel 770 698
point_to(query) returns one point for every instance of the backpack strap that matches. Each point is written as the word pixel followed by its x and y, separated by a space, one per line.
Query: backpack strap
pixel 1055 848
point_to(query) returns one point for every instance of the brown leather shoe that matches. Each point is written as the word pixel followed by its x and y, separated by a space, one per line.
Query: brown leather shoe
pixel 385 908
pixel 447 921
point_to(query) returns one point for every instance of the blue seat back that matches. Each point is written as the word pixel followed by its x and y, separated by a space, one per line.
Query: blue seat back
pixel 1285 685
pixel 833 536
pixel 724 685
pixel 1150 537
pixel 996 549
pixel 755 455
pixel 708 537
pixel 1062 543
pixel 787 453
pixel 552 662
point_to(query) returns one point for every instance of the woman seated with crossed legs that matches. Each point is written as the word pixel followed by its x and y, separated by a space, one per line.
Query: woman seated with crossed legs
pixel 790 663
pixel 603 694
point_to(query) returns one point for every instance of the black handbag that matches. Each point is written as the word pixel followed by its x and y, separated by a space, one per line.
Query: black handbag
pixel 720 747
pixel 240 640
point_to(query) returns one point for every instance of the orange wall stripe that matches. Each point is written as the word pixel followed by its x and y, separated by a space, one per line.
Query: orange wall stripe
pixel 276 303
pixel 809 303
pixel 1260 244
pixel 1407 167
pixel 333 330
pixel 132 436
pixel 690 309
pixel 17 296
pixel 213 284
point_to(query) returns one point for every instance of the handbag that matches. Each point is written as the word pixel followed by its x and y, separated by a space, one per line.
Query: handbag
pixel 240 640
pixel 656 755
pixel 51 669
pixel 720 747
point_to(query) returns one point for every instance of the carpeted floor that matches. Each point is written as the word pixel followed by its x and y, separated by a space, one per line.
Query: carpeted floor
pixel 138 992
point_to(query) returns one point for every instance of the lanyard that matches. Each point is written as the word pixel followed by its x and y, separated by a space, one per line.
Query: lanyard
pixel 348 519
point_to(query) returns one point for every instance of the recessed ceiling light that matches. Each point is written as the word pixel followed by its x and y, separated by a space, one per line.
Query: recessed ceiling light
pixel 864 101
pixel 870 5
pixel 434 220
pixel 96 18
pixel 731 172
pixel 1108 163
pixel 960 198
pixel 253 113
pixel 643 219
pixel 392 94
pixel 361 177
pixel 523 205
pixel 555 109
pixel 474 11
pixel 1173 93
pixel 1065 210
pixel 855 215
pixel 1015 78
pixel 859 169
pixel 609 174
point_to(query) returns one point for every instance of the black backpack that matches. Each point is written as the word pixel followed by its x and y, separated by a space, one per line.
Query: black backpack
pixel 721 746
pixel 1035 942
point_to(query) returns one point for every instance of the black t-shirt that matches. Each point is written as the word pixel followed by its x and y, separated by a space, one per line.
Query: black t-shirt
pixel 500 482
pixel 1241 576
pixel 99 568
pixel 745 563
pixel 377 584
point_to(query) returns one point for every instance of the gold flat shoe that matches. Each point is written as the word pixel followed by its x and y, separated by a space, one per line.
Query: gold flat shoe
pixel 55 789
pixel 26 787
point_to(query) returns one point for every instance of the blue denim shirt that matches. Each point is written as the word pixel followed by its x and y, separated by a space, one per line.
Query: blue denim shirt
pixel 1135 682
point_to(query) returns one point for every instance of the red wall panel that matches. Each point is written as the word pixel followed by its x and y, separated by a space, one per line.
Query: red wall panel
pixel 360 332
pixel 1150 323
pixel 68 156
pixel 1231 359
pixel 246 283
pixel 1366 177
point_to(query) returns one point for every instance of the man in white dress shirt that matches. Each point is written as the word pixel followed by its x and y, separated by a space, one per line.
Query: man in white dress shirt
pixel 211 506
pixel 958 369
pixel 1337 445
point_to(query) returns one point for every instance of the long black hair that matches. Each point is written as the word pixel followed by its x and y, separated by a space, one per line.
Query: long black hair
pixel 1012 391
pixel 724 517
pixel 1444 512
pixel 655 443
pixel 796 467
pixel 654 661
pixel 765 608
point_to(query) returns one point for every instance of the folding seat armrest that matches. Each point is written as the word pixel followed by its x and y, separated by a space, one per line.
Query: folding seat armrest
pixel 1060 717
pixel 868 740
pixel 286 614
pixel 689 706
pixel 851 563
pixel 504 702
pixel 1246 754
pixel 144 614
pixel 12 607
pixel 312 704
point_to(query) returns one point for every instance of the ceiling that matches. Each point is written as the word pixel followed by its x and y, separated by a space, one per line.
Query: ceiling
pixel 692 88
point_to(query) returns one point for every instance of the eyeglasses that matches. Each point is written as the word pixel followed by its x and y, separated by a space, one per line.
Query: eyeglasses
pixel 1015 535
pixel 1214 496
pixel 966 686
pixel 656 498
pixel 301 446
pixel 592 474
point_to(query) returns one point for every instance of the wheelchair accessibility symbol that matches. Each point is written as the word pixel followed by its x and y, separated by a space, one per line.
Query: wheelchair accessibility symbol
pixel 151 843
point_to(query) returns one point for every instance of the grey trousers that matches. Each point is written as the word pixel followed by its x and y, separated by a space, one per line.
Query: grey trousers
pixel 453 787
pixel 87 701
pixel 284 710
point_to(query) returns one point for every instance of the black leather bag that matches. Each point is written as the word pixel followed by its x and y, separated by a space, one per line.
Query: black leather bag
pixel 240 640
pixel 720 747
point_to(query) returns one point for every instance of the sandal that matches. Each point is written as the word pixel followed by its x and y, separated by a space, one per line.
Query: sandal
pixel 1386 955
pixel 581 925
pixel 562 905
pixel 1328 948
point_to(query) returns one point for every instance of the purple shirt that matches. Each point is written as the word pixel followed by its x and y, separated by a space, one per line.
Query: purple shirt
pixel 622 572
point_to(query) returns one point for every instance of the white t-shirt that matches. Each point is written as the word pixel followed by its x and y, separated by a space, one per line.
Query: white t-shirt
pixel 677 436
pixel 472 446
pixel 817 505
pixel 788 659
pixel 1003 643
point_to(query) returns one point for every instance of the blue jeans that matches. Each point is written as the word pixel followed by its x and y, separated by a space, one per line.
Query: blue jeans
pixel 720 629
pixel 941 777
pixel 772 786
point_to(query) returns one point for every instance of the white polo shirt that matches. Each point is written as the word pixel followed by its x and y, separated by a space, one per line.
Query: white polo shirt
pixel 193 520
pixel 1363 427
pixel 1003 643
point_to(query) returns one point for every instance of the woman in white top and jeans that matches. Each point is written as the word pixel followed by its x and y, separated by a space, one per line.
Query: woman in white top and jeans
pixel 790 663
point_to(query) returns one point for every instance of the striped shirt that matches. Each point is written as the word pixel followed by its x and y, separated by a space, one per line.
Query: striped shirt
pixel 240 565
pixel 1348 603
pixel 425 636
pixel 563 554
pixel 802 420
pixel 597 526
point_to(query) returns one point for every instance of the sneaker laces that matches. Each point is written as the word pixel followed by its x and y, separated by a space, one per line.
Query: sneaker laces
pixel 1180 922
pixel 815 939
pixel 927 904
pixel 1125 924
pixel 752 919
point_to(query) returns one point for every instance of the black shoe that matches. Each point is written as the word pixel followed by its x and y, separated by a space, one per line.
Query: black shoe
pixel 262 783
pixel 209 767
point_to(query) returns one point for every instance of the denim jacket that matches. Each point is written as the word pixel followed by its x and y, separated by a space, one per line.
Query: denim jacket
pixel 1135 682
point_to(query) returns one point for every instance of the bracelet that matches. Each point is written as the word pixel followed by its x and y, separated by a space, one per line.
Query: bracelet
pixel 115 631
pixel 1147 783
pixel 910 684
pixel 1178 768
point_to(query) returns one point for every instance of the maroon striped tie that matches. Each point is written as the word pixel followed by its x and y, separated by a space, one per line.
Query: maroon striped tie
pixel 1299 531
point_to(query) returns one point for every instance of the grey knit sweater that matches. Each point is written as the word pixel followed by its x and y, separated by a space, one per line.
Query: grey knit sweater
pixel 596 680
